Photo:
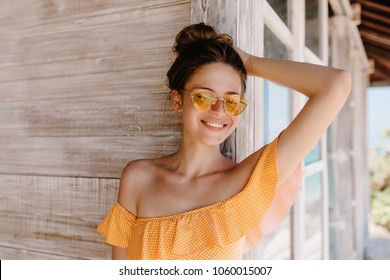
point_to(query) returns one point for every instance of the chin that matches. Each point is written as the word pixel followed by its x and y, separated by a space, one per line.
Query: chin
pixel 215 142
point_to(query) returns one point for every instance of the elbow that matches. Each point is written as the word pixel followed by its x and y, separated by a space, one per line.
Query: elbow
pixel 342 83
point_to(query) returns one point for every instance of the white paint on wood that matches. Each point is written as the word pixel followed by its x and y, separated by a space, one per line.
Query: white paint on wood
pixel 277 26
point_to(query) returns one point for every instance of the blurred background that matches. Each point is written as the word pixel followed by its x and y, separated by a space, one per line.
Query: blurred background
pixel 83 92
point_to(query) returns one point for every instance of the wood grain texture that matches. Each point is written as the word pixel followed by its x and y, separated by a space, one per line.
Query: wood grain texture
pixel 54 217
pixel 221 14
pixel 82 92
pixel 80 137
pixel 127 57
pixel 82 80
pixel 340 139
pixel 85 156
pixel 14 253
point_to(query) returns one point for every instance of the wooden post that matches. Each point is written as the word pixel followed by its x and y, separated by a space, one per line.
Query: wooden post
pixel 340 156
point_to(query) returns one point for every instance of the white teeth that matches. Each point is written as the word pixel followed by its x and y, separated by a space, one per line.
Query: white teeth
pixel 214 125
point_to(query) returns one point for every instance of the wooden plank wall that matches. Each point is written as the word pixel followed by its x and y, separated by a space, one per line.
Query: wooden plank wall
pixel 82 92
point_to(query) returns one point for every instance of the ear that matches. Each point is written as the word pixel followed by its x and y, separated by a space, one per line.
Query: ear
pixel 176 100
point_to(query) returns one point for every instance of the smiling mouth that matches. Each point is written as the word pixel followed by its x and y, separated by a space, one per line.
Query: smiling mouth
pixel 214 125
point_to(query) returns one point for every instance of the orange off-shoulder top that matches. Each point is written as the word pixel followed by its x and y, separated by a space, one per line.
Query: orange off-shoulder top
pixel 224 230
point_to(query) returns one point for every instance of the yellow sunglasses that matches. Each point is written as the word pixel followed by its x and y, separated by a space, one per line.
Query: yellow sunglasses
pixel 205 99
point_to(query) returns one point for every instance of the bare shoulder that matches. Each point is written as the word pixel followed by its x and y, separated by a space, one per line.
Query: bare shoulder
pixel 135 169
pixel 135 177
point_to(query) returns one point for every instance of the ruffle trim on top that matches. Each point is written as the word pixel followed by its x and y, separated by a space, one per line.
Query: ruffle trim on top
pixel 117 226
pixel 250 214
pixel 276 213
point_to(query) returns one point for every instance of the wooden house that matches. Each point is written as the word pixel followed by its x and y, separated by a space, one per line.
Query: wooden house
pixel 83 92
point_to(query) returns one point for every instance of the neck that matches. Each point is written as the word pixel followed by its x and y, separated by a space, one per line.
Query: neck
pixel 195 159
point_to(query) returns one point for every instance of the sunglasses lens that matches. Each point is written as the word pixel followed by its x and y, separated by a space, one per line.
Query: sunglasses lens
pixel 204 100
pixel 235 105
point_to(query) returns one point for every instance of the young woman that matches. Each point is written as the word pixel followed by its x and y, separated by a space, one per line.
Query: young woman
pixel 196 203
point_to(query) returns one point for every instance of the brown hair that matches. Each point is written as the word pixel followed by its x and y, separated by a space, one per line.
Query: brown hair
pixel 198 45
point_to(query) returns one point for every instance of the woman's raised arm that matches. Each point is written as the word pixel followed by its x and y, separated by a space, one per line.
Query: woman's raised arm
pixel 327 89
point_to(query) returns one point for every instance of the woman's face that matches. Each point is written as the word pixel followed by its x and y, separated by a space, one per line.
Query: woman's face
pixel 214 126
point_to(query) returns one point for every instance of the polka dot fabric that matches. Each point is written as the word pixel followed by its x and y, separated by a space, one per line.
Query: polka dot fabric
pixel 224 230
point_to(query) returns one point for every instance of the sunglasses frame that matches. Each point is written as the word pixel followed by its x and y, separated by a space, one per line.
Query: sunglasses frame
pixel 193 92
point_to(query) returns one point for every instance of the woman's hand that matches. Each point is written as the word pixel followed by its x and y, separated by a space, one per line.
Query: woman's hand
pixel 245 57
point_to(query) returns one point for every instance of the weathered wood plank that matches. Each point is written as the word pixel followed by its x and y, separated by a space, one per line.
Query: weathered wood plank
pixel 79 137
pixel 94 42
pixel 53 16
pixel 59 196
pixel 81 94
pixel 152 60
pixel 80 156
pixel 132 114
pixel 28 254
pixel 68 237
pixel 64 40
pixel 54 216
pixel 340 157
pixel 107 84
pixel 73 80
pixel 104 61
pixel 221 14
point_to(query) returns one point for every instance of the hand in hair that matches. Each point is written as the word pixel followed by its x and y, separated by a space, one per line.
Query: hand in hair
pixel 244 57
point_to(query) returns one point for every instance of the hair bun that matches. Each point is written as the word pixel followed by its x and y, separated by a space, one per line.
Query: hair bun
pixel 198 32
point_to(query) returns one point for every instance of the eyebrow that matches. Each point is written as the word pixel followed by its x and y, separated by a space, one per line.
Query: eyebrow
pixel 228 92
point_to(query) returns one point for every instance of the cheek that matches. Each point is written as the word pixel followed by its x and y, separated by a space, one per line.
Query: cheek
pixel 236 120
pixel 189 114
pixel 236 123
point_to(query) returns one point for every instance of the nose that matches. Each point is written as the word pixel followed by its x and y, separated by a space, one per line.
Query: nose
pixel 218 108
